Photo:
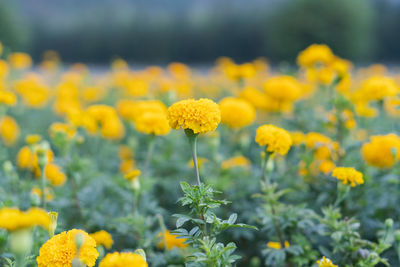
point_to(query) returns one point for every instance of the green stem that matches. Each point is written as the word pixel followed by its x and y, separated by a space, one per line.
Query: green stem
pixel 265 176
pixel 43 186
pixel 19 261
pixel 193 144
pixel 277 228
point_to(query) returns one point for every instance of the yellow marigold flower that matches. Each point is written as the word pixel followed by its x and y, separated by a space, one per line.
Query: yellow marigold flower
pixel 127 165
pixel 348 176
pixel 48 193
pixel 315 53
pixel 377 88
pixel 25 158
pixel 283 88
pixel 200 116
pixel 125 152
pixel 131 110
pixel 93 93
pixel 324 262
pixel 123 259
pixel 4 69
pixel 20 60
pixel 326 166
pixel 54 174
pixel 257 98
pixel 61 249
pixel 323 145
pixel 7 98
pixel 276 140
pixel 382 151
pixel 32 139
pixel 113 129
pixel 231 108
pixel 33 91
pixel 200 162
pixel 238 161
pixel 119 64
pixel 9 130
pixel 65 129
pixel 102 238
pixel 297 137
pixel 13 219
pixel 171 241
pixel 277 245
pixel 153 123
pixel 133 175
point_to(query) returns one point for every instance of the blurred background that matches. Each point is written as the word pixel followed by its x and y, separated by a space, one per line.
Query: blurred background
pixel 199 31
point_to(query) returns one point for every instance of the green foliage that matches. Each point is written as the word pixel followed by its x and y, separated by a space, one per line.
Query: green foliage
pixel 206 227
pixel 345 25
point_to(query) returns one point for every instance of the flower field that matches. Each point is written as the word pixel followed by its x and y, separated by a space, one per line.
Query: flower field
pixel 241 165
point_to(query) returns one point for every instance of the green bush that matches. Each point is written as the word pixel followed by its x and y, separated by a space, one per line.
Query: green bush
pixel 12 33
pixel 346 26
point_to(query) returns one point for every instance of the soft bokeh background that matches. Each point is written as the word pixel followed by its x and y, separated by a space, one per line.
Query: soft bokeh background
pixel 199 31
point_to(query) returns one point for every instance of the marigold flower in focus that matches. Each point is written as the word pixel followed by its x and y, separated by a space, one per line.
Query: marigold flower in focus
pixel 324 262
pixel 348 176
pixel 9 130
pixel 200 116
pixel 102 238
pixel 13 219
pixel 276 140
pixel 61 249
pixel 382 151
pixel 277 245
pixel 236 112
pixel 123 259
pixel 171 241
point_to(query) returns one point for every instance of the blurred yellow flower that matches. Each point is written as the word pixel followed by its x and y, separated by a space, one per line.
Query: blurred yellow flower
pixel 153 123
pixel 102 238
pixel 9 130
pixel 238 161
pixel 7 98
pixel 170 241
pixel 13 219
pixel 48 193
pixel 54 174
pixel 20 60
pixel 315 54
pixel 236 112
pixel 283 88
pixel 123 259
pixel 32 139
pixel 382 151
pixel 277 245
